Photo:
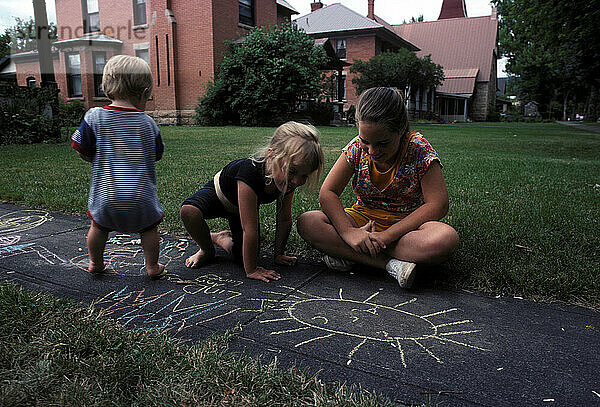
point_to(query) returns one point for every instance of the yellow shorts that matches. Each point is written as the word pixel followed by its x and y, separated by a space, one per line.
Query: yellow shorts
pixel 383 219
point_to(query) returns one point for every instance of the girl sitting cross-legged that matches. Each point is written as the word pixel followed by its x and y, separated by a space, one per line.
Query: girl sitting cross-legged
pixel 402 195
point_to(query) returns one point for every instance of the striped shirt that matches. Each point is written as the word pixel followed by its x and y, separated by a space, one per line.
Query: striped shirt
pixel 124 145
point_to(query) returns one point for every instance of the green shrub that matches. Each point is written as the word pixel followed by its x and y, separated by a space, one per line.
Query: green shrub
pixel 262 78
pixel 321 113
pixel 213 108
pixel 71 113
pixel 27 115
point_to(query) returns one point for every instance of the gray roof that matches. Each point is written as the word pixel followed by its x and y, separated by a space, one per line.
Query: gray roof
pixel 93 38
pixel 32 55
pixel 338 18
pixel 335 17
pixel 287 5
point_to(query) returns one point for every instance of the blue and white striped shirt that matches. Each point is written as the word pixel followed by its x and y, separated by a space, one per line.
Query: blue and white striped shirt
pixel 124 145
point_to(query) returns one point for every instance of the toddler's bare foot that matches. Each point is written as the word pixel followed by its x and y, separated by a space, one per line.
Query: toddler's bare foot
pixel 199 259
pixel 223 239
pixel 156 271
pixel 95 268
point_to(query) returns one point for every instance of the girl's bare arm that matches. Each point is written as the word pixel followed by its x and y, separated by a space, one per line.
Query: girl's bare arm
pixel 282 231
pixel 248 206
pixel 329 197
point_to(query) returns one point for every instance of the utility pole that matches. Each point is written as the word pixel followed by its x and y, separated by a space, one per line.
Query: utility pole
pixel 42 30
pixel 43 42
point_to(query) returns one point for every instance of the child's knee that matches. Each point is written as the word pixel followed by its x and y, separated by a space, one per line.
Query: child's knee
pixel 446 240
pixel 304 222
pixel 308 224
pixel 190 212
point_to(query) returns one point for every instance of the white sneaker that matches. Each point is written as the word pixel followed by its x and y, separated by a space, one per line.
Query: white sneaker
pixel 337 264
pixel 403 271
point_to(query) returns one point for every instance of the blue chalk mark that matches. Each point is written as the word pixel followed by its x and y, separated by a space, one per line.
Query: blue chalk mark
pixel 14 248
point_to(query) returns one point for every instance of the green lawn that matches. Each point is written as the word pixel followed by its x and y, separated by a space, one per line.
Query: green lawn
pixel 511 186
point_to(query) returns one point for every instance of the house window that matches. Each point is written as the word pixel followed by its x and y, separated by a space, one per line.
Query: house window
pixel 247 12
pixel 144 54
pixel 91 16
pixel 99 62
pixel 139 12
pixel 31 82
pixel 340 48
pixel 74 75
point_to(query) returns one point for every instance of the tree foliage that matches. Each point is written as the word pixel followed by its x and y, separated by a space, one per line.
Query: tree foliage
pixel 23 35
pixel 4 45
pixel 552 45
pixel 414 19
pixel 403 70
pixel 262 78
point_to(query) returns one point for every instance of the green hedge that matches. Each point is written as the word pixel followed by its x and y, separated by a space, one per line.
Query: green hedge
pixel 27 115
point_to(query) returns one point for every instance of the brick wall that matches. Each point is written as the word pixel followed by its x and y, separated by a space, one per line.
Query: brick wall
pixel 478 111
pixel 357 48
pixel 492 86
pixel 194 44
pixel 69 19
pixel 484 99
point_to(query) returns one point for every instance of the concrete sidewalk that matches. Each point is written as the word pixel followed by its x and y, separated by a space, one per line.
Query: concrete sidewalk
pixel 452 348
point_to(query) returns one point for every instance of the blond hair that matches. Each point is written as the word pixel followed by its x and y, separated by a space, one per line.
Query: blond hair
pixel 127 77
pixel 384 106
pixel 293 143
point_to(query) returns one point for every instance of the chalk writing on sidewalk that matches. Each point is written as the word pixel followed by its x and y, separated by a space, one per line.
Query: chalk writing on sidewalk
pixel 311 318
pixel 124 256
pixel 22 220
pixel 203 299
pixel 10 248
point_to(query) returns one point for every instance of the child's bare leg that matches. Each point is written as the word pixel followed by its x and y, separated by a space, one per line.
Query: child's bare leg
pixel 194 223
pixel 223 239
pixel 151 247
pixel 96 241
pixel 431 243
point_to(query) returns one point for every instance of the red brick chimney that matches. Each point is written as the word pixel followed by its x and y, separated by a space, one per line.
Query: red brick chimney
pixel 371 12
pixel 315 5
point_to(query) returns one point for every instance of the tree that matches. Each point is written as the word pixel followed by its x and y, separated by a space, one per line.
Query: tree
pixel 262 78
pixel 403 70
pixel 4 45
pixel 553 46
pixel 413 19
pixel 22 37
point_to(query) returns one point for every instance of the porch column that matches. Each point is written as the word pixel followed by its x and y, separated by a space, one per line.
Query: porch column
pixel 340 86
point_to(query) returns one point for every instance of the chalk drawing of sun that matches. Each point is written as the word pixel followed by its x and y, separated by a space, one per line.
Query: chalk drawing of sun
pixel 22 220
pixel 365 322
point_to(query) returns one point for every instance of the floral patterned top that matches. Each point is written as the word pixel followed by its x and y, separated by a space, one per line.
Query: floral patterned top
pixel 404 193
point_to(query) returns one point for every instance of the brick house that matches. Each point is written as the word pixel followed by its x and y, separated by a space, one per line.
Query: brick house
pixel 353 37
pixel 466 47
pixel 182 41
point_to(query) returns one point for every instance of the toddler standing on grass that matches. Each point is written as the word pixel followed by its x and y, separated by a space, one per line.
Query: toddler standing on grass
pixel 122 143
pixel 293 157
pixel 401 195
